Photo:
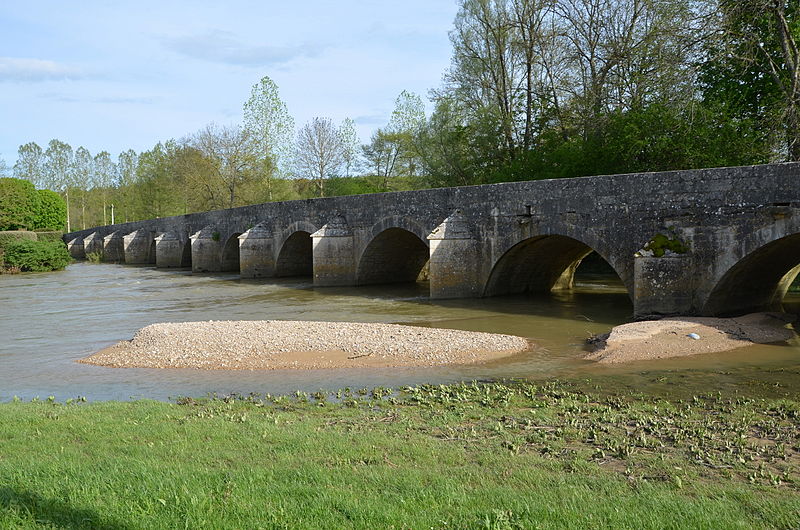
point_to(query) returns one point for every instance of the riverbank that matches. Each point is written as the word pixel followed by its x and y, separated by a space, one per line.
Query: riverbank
pixel 683 336
pixel 278 344
pixel 498 455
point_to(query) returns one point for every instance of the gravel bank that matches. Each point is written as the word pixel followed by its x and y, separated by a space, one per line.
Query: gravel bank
pixel 677 337
pixel 277 344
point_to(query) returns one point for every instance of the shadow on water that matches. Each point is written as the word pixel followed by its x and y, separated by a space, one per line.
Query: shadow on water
pixel 32 507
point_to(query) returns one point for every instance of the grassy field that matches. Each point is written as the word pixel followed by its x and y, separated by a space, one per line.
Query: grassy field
pixel 498 455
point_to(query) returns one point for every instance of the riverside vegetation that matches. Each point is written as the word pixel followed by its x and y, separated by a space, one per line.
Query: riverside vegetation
pixel 496 455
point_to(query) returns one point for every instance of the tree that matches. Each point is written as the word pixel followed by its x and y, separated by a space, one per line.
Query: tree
pixel 383 154
pixel 231 150
pixel 30 164
pixel 404 125
pixel 104 172
pixel 349 140
pixel 58 170
pixel 759 52
pixel 271 128
pixel 52 212
pixel 83 176
pixel 319 151
pixel 126 177
pixel 4 169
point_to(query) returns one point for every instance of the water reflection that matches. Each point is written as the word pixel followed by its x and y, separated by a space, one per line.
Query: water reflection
pixel 50 320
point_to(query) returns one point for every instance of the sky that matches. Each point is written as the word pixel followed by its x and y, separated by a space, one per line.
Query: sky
pixel 117 75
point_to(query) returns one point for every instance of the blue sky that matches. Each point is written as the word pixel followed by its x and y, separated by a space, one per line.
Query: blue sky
pixel 116 75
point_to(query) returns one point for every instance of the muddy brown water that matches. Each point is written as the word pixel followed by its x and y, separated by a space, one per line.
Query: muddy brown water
pixel 48 321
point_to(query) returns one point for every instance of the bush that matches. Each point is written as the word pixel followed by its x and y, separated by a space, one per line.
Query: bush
pixel 37 256
pixel 19 204
pixel 52 211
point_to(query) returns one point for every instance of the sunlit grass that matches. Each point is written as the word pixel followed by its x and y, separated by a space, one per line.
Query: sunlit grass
pixel 513 455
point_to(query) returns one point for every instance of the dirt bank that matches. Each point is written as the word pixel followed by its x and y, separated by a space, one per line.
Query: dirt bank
pixel 677 337
pixel 274 344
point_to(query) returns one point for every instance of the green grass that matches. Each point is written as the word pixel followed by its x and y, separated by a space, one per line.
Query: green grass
pixel 513 455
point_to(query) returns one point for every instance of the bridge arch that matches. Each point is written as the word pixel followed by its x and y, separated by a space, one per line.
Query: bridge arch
pixel 230 253
pixel 758 281
pixel 397 252
pixel 295 256
pixel 543 263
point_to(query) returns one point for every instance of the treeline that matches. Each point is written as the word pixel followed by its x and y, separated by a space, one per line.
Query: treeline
pixel 536 89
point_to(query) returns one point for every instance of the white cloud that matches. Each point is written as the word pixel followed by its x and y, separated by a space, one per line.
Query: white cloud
pixel 16 69
pixel 222 47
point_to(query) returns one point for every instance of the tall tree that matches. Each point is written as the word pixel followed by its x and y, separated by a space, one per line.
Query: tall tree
pixel 30 164
pixel 104 172
pixel 350 145
pixel 126 177
pixel 58 170
pixel 319 153
pixel 83 176
pixel 270 126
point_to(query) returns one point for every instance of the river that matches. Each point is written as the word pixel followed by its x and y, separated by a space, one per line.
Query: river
pixel 50 320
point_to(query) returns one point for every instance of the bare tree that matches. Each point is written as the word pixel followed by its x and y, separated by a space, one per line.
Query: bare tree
pixel 231 150
pixel 319 152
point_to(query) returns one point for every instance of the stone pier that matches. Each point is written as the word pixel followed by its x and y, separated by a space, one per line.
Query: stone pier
pixel 257 252
pixel 113 248
pixel 139 247
pixel 334 254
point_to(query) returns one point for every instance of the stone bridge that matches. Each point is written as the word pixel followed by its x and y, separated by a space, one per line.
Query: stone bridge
pixel 736 232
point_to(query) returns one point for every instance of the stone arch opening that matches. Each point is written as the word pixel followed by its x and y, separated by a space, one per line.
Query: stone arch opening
pixel 542 264
pixel 757 282
pixel 395 255
pixel 296 257
pixel 186 254
pixel 151 257
pixel 230 254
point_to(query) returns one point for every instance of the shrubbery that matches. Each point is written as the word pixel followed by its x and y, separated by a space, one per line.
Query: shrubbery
pixel 24 207
pixel 36 256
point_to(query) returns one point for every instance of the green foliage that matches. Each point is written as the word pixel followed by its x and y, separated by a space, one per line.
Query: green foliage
pixel 7 238
pixel 19 203
pixel 94 257
pixel 660 244
pixel 51 215
pixel 37 256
